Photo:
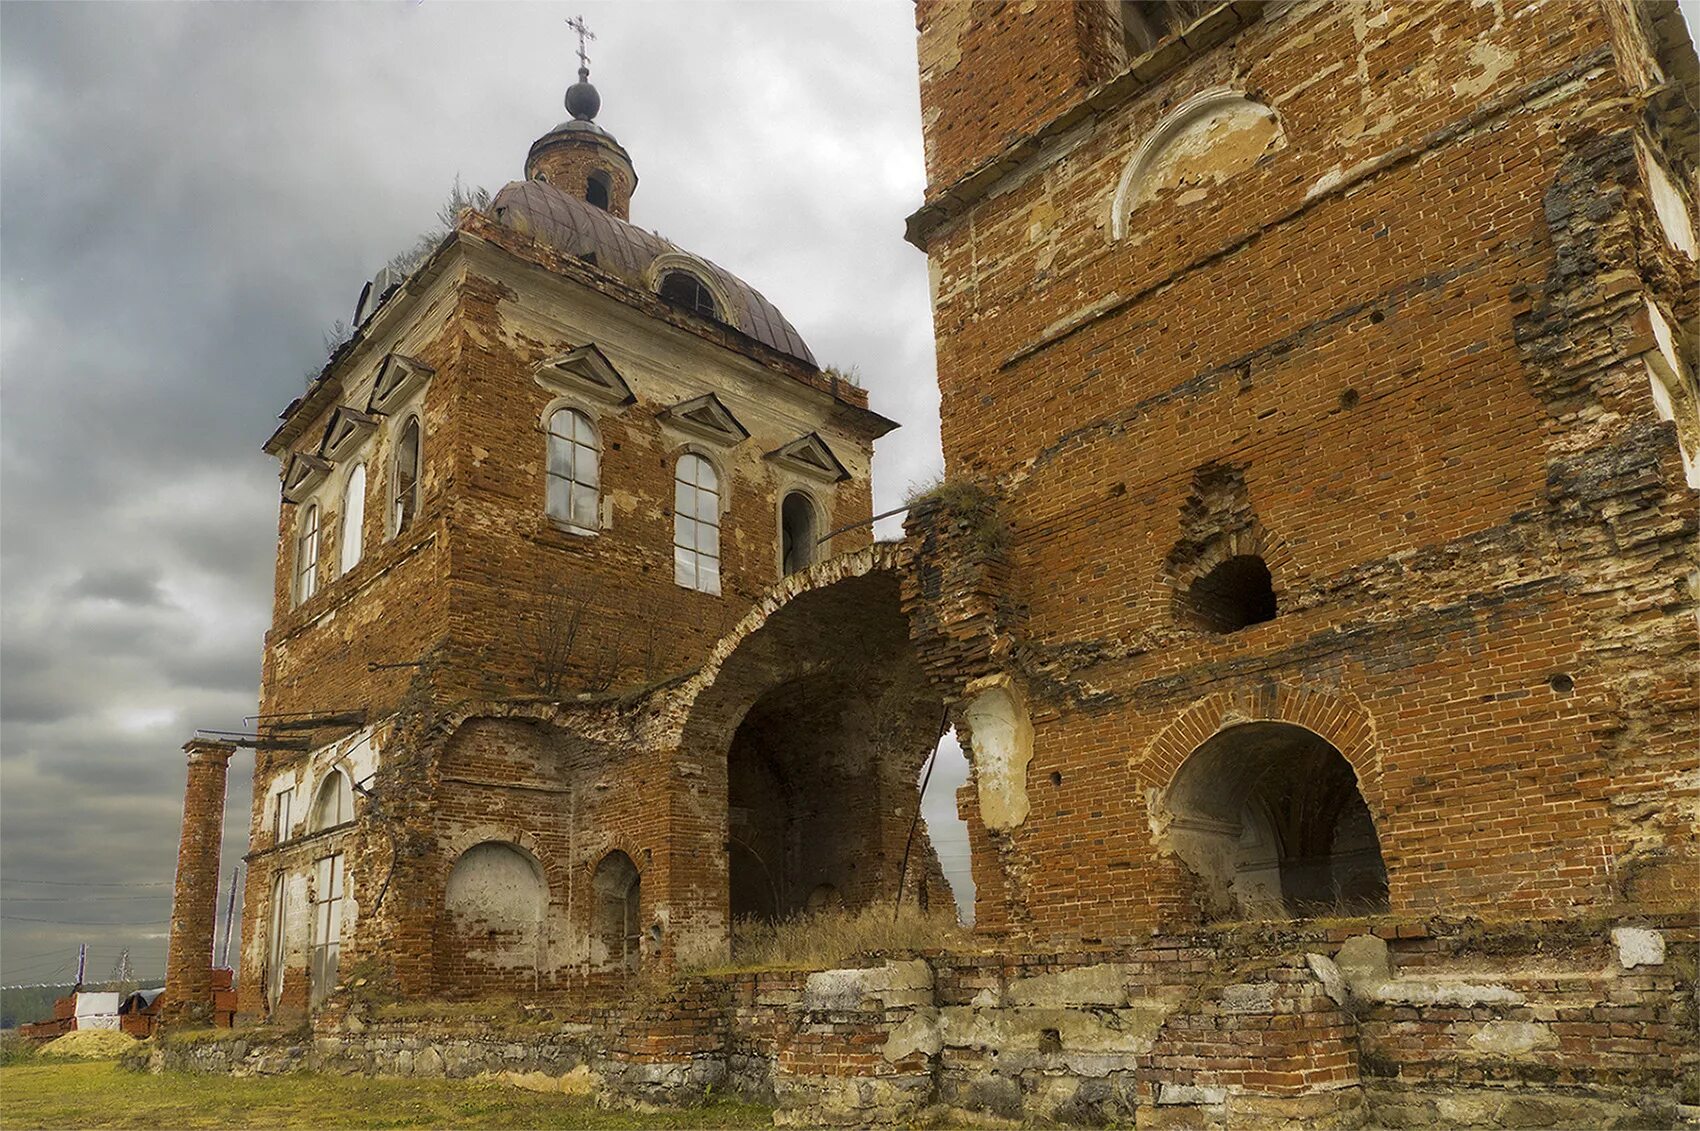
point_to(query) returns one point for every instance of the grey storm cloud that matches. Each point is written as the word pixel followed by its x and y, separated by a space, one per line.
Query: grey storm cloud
pixel 190 194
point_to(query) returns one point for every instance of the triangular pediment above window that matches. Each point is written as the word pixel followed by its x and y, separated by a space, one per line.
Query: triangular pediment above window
pixel 810 455
pixel 399 377
pixel 585 370
pixel 348 429
pixel 303 474
pixel 707 417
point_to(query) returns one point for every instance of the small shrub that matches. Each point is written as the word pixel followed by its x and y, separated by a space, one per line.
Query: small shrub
pixel 16 1050
pixel 851 376
pixel 833 937
pixel 970 506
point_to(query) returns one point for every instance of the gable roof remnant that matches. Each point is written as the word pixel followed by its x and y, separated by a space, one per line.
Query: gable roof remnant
pixel 574 227
pixel 585 370
pixel 707 417
pixel 810 455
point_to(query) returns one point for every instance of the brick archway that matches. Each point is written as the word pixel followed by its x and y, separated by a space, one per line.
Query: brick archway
pixel 1336 716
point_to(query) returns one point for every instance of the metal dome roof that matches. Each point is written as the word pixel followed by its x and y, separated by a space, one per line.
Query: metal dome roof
pixel 574 227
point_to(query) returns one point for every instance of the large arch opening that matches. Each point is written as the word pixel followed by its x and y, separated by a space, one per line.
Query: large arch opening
pixel 820 718
pixel 1270 819
pixel 803 800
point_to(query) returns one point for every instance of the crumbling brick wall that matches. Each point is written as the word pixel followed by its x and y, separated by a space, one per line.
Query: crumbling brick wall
pixel 1400 354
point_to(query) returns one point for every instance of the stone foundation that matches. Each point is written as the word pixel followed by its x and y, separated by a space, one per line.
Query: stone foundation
pixel 1443 1024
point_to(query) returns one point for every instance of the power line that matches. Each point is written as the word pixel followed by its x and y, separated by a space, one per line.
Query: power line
pixel 81 884
pixel 82 922
pixel 76 898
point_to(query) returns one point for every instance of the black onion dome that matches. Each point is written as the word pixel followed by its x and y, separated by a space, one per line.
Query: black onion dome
pixel 582 100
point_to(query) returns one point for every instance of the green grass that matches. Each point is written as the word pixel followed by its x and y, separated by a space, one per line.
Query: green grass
pixel 100 1094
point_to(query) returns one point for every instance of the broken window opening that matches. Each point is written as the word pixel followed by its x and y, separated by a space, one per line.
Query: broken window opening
pixel 275 951
pixel 1270 818
pixel 596 187
pixel 616 926
pixel 404 502
pixel 696 524
pixel 1236 594
pixel 325 951
pixel 307 553
pixel 282 805
pixel 683 289
pixel 797 533
pixel 574 474
pixel 333 805
pixel 353 517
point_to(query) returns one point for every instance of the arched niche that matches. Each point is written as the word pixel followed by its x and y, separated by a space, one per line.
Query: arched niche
pixel 616 927
pixel 495 902
pixel 1269 817
pixel 1209 138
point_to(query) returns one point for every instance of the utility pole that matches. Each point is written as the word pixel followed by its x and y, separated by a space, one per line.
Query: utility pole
pixel 229 917
pixel 82 960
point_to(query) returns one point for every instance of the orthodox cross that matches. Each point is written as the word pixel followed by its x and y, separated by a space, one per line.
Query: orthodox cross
pixel 584 33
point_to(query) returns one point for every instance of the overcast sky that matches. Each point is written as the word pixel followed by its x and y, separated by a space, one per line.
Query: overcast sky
pixel 191 194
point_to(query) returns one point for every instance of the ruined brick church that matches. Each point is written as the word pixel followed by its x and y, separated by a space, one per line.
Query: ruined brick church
pixel 1317 547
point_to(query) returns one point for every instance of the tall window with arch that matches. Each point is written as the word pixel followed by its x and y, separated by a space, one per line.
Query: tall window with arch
pixel 696 524
pixel 798 532
pixel 353 517
pixel 575 457
pixel 404 485
pixel 333 805
pixel 307 553
pixel 275 952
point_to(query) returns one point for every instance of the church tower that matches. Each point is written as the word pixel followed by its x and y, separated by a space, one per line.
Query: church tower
pixel 555 462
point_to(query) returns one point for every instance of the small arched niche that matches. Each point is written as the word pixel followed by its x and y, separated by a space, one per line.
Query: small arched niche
pixel 1235 594
pixel 1206 140
pixel 1269 817
pixel 616 930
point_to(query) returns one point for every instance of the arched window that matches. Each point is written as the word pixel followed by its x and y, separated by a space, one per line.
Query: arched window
pixel 681 288
pixel 333 805
pixel 496 898
pixel 353 517
pixel 596 190
pixel 307 553
pixel 696 524
pixel 615 929
pixel 574 459
pixel 404 487
pixel 797 532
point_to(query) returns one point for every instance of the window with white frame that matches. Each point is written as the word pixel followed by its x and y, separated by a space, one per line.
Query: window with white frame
pixel 283 805
pixel 334 803
pixel 696 524
pixel 353 517
pixel 574 471
pixel 275 940
pixel 404 484
pixel 325 949
pixel 307 553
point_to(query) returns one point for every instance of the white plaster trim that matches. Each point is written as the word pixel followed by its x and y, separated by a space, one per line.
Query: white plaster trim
pixel 1177 120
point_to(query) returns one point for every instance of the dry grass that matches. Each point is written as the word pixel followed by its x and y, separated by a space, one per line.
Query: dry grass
pixel 100 1094
pixel 832 938
pixel 88 1044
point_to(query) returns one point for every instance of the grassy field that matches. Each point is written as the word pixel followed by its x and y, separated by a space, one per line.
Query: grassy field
pixel 100 1094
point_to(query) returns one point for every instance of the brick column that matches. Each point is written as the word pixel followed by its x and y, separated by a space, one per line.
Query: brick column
pixel 194 907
